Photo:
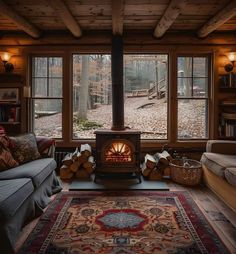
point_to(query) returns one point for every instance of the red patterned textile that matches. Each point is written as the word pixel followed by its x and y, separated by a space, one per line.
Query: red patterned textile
pixel 46 146
pixel 117 222
pixel 2 130
pixel 6 159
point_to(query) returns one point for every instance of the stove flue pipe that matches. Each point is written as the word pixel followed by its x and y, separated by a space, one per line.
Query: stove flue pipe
pixel 117 83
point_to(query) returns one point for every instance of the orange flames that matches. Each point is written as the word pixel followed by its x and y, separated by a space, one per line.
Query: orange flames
pixel 118 152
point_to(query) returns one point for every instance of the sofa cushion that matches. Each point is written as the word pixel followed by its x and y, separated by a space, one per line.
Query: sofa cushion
pixel 25 148
pixel 13 193
pixel 37 170
pixel 230 175
pixel 217 163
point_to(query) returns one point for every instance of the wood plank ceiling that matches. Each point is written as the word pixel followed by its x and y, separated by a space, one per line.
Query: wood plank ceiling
pixel 34 17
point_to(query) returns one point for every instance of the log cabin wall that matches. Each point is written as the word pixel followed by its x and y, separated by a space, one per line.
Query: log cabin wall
pixel 22 46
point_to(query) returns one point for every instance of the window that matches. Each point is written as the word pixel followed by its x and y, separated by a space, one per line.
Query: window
pixel 47 79
pixel 92 108
pixel 146 94
pixel 192 97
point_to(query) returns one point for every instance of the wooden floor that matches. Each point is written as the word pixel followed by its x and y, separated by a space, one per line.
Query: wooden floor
pixel 221 217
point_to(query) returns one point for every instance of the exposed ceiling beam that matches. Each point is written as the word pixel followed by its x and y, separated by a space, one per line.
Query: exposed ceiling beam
pixel 117 16
pixel 219 19
pixel 64 13
pixel 21 22
pixel 173 10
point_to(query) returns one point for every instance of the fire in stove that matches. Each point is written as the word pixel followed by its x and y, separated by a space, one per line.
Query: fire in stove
pixel 118 152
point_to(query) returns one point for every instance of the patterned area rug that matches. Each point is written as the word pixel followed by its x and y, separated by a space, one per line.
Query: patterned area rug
pixel 130 222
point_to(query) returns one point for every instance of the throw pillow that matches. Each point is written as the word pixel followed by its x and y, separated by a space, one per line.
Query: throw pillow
pixel 46 146
pixel 6 159
pixel 2 130
pixel 25 148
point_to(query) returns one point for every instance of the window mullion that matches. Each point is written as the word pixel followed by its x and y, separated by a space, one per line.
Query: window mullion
pixel 47 76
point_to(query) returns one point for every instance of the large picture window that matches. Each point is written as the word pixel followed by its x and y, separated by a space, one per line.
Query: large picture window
pixel 192 97
pixel 147 105
pixel 47 79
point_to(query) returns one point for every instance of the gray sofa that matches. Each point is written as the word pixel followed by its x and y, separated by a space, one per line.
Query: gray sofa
pixel 219 169
pixel 24 192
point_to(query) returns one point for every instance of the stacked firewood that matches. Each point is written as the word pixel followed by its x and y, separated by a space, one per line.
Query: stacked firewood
pixel 156 166
pixel 79 164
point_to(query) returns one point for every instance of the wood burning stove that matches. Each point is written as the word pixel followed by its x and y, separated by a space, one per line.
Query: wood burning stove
pixel 118 149
pixel 117 153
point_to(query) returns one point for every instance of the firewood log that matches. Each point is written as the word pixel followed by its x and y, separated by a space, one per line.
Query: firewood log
pixel 150 161
pixel 89 165
pixel 67 160
pixel 86 150
pixel 82 173
pixel 155 174
pixel 163 158
pixel 166 172
pixel 145 171
pixel 65 172
pixel 82 158
pixel 75 166
pixel 74 155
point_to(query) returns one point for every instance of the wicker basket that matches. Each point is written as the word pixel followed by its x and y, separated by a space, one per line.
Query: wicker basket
pixel 187 172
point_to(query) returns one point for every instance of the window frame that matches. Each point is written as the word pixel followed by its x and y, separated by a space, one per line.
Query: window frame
pixel 207 98
pixel 146 144
pixel 32 97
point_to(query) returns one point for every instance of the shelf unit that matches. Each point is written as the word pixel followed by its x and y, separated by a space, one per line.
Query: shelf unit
pixel 10 102
pixel 227 106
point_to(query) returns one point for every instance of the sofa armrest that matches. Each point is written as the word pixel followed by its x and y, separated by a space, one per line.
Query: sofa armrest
pixel 46 146
pixel 221 146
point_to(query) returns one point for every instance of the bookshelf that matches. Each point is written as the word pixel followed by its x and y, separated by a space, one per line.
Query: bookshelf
pixel 227 113
pixel 10 102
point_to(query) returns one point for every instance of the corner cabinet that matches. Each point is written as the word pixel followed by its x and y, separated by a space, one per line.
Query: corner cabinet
pixel 11 86
pixel 227 107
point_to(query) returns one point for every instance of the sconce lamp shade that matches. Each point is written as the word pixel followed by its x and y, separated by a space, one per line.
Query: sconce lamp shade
pixel 232 56
pixel 5 56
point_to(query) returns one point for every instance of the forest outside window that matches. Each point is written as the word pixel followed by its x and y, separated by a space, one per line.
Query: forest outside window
pixel 193 80
pixel 47 80
pixel 145 94
pixel 91 94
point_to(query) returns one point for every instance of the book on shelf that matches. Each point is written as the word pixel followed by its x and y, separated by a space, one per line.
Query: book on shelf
pixel 229 116
pixel 228 102
pixel 10 114
pixel 228 80
pixel 230 130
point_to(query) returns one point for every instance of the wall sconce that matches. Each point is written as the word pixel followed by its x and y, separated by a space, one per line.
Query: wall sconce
pixel 232 58
pixel 5 56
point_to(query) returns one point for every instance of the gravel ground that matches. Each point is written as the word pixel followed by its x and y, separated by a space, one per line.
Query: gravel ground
pixel 150 119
